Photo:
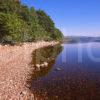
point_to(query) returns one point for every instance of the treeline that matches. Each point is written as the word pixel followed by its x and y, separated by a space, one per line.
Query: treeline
pixel 18 23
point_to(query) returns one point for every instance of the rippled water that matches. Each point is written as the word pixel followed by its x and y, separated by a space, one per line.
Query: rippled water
pixel 73 72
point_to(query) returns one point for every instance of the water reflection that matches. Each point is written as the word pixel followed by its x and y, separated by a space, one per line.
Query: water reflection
pixel 44 55
pixel 75 81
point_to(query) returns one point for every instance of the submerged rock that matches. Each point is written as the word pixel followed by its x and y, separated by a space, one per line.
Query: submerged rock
pixel 58 69
pixel 38 65
pixel 42 65
pixel 45 64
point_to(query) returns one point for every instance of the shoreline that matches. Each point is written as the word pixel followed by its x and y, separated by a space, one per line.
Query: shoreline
pixel 14 69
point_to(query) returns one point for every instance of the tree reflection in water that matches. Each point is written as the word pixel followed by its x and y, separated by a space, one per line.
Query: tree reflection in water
pixel 48 55
pixel 39 56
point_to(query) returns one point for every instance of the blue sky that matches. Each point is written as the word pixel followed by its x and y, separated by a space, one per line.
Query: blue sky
pixel 72 17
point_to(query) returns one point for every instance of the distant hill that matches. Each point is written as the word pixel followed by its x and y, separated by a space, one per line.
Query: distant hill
pixel 82 39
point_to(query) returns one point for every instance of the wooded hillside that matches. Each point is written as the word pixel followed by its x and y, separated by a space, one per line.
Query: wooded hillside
pixel 18 23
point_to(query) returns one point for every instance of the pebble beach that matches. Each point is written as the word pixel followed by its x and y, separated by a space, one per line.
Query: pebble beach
pixel 14 70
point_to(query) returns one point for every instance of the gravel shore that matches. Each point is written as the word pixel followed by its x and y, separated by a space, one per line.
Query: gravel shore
pixel 14 70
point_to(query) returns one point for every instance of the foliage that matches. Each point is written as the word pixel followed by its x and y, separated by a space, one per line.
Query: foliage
pixel 45 21
pixel 18 23
pixel 13 28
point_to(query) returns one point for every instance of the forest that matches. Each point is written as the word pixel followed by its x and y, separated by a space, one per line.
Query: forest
pixel 19 23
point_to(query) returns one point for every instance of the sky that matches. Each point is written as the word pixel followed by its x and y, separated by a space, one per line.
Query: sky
pixel 72 17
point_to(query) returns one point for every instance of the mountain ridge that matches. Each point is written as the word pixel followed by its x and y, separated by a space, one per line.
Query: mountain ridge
pixel 81 39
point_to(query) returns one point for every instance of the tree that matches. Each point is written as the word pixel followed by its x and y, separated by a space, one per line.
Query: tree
pixel 45 21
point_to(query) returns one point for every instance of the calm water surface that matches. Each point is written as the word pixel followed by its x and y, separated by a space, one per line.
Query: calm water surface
pixel 72 73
